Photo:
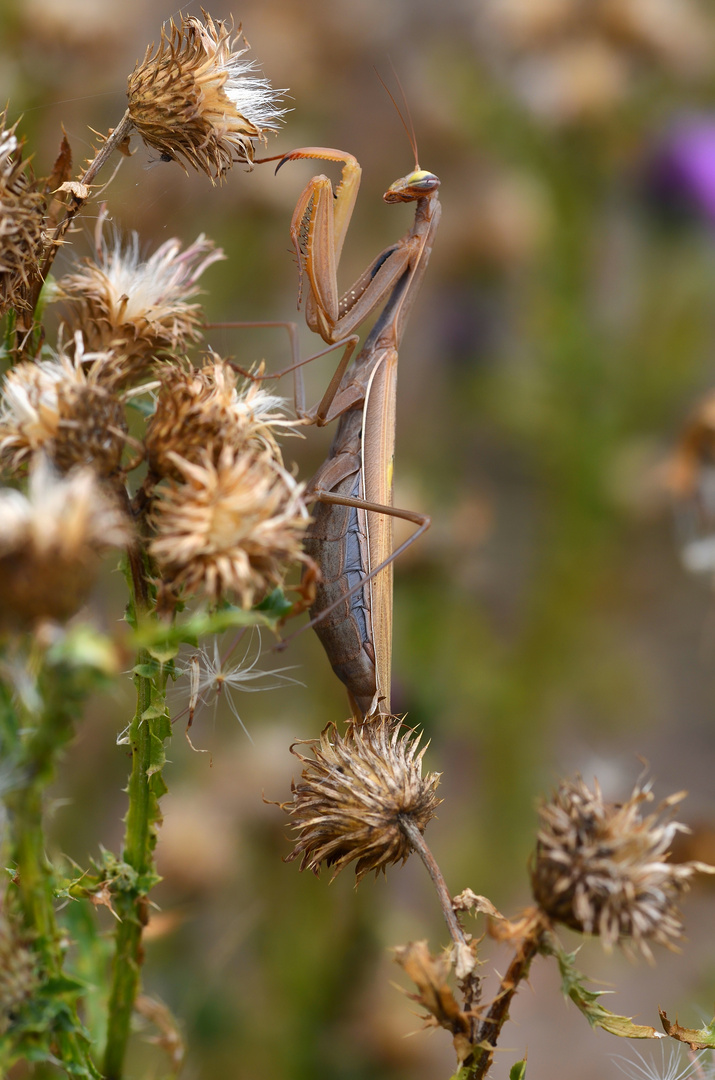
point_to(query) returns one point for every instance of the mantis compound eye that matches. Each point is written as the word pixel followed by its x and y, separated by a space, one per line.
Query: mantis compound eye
pixel 413 186
pixel 423 181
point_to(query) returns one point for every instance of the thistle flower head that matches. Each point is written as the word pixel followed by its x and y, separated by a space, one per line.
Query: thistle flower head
pixel 601 867
pixel 254 411
pixel 51 541
pixel 138 309
pixel 196 99
pixel 63 408
pixel 353 793
pixel 209 406
pixel 232 525
pixel 22 209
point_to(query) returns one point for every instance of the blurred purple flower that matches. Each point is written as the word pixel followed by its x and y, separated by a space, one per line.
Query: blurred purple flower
pixel 681 169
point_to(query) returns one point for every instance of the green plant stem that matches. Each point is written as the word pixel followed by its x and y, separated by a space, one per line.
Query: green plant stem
pixel 39 737
pixel 131 902
pixel 33 878
pixel 137 844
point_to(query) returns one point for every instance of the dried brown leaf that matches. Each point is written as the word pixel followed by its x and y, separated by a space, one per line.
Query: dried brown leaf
pixel 102 897
pixel 429 974
pixel 62 168
pixel 468 901
pixel 169 1037
pixel 80 191
pixel 701 1039
pixel 465 959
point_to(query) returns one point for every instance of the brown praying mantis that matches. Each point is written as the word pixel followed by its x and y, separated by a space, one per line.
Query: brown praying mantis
pixel 350 537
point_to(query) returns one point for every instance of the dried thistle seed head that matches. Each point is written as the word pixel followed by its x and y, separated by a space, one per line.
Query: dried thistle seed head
pixel 209 406
pixel 63 408
pixel 51 542
pixel 233 525
pixel 601 868
pixel 138 309
pixel 354 792
pixel 196 99
pixel 251 411
pixel 22 210
pixel 19 976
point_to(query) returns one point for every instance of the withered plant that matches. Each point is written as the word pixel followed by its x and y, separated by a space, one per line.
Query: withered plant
pixel 122 437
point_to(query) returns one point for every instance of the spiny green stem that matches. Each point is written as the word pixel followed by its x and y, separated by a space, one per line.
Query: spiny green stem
pixel 45 733
pixel 131 901
pixel 130 906
pixel 137 843
pixel 48 732
pixel 32 876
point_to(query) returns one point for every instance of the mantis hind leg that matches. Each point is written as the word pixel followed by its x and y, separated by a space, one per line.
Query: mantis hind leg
pixel 362 662
pixel 423 522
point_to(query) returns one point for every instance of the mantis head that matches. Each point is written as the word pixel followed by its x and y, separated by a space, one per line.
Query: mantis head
pixel 416 185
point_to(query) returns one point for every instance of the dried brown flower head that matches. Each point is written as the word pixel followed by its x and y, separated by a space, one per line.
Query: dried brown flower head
pixel 18 972
pixel 22 209
pixel 63 408
pixel 51 541
pixel 196 99
pixel 232 525
pixel 601 868
pixel 209 407
pixel 138 309
pixel 353 793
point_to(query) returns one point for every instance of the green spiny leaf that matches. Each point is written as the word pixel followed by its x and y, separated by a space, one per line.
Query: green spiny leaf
pixel 162 640
pixel 587 1001
pixel 157 756
pixel 275 605
pixel 153 712
pixel 45 1028
pixel 147 671
pixel 164 651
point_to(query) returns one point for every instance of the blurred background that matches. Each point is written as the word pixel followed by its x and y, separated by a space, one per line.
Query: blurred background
pixel 563 338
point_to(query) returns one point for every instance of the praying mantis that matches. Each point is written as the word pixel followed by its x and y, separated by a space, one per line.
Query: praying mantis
pixel 350 537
